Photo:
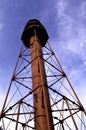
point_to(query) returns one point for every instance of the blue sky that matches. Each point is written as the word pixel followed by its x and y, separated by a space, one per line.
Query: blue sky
pixel 65 21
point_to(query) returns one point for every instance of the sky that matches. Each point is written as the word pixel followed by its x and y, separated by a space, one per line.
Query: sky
pixel 65 22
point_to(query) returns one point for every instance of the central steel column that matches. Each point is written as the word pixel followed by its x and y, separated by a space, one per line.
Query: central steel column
pixel 35 37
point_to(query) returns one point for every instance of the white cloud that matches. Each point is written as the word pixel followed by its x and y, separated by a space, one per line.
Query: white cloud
pixel 1 26
pixel 82 9
pixel 71 41
pixel 2 96
pixel 1 17
pixel 61 5
pixel 72 30
pixel 85 62
pixel 82 94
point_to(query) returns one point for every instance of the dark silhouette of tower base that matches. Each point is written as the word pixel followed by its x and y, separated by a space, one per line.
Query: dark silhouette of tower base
pixel 40 96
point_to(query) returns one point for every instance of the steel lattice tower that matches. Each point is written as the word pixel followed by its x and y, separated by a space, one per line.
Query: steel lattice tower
pixel 40 95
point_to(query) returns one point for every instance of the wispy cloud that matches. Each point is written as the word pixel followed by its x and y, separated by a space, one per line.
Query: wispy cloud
pixel 1 17
pixel 82 9
pixel 70 42
pixel 1 26
pixel 71 30
pixel 2 96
